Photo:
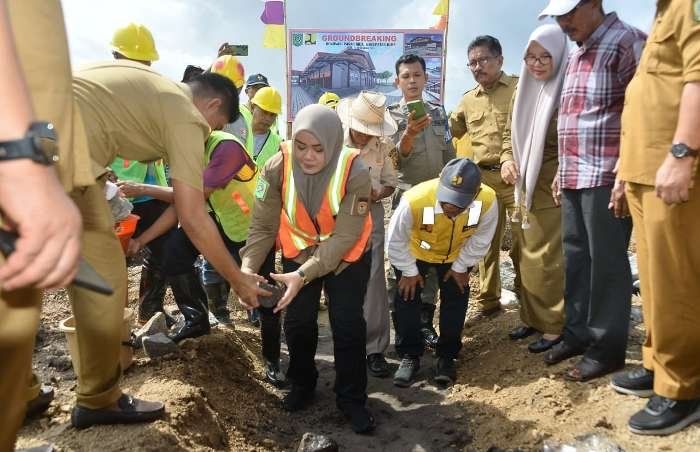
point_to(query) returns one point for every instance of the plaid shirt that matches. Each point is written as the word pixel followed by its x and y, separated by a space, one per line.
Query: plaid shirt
pixel 591 104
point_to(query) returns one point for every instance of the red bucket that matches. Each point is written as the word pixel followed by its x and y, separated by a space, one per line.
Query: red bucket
pixel 125 229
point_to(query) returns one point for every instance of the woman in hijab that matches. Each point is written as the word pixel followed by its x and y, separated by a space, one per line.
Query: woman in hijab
pixel 313 199
pixel 533 133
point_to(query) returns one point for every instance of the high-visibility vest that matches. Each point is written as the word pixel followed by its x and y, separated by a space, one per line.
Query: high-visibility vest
pixel 136 171
pixel 441 241
pixel 297 230
pixel 270 148
pixel 233 204
pixel 247 116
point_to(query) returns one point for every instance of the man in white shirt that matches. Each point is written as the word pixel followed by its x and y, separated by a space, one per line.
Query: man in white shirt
pixel 445 224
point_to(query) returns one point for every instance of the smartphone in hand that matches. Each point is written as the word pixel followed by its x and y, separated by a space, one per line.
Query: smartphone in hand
pixel 417 107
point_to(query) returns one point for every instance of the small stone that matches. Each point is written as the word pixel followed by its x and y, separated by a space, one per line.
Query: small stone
pixel 311 442
pixel 496 388
pixel 65 408
pixel 60 363
pixel 158 345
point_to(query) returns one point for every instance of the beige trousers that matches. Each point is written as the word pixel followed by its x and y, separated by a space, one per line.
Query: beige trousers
pixel 668 254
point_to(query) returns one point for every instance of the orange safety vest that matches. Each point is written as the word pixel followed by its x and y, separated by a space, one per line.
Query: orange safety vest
pixel 297 230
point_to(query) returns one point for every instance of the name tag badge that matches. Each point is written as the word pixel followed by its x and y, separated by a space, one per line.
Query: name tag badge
pixel 428 215
pixel 474 213
pixel 424 245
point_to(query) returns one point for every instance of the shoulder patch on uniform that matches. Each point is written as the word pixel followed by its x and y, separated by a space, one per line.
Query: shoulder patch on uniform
pixel 261 189
pixel 696 10
pixel 360 206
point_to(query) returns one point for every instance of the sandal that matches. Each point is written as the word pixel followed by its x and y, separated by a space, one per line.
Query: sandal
pixel 588 369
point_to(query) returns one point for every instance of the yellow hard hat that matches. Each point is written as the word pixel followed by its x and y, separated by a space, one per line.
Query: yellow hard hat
pixel 329 99
pixel 268 99
pixel 229 66
pixel 135 42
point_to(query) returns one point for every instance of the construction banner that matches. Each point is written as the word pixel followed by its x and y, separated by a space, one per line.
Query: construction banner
pixel 346 62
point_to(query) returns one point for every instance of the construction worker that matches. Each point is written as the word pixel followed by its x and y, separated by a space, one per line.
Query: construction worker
pixel 135 42
pixel 423 146
pixel 446 224
pixel 317 177
pixel 368 127
pixel 660 140
pixel 482 113
pixel 329 99
pixel 48 245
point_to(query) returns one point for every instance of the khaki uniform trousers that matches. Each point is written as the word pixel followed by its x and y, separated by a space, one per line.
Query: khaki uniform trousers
pixel 489 267
pixel 19 320
pixel 669 259
pixel 376 307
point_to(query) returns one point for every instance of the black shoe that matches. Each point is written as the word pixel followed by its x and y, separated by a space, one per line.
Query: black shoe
pixel 542 344
pixel 192 301
pixel 560 352
pixel 521 332
pixel 445 371
pixel 662 416
pixel 404 375
pixel 297 399
pixel 41 402
pixel 129 411
pixel 274 375
pixel 639 382
pixel 377 365
pixel 361 420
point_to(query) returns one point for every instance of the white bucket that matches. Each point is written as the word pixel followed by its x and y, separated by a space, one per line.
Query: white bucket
pixel 127 352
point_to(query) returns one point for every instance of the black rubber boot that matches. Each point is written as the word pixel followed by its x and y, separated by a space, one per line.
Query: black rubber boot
pixel 192 301
pixel 430 336
pixel 151 295
pixel 217 298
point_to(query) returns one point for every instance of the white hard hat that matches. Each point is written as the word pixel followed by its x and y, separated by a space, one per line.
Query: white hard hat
pixel 558 8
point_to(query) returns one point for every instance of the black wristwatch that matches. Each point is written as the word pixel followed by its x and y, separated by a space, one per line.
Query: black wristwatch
pixel 680 150
pixel 39 144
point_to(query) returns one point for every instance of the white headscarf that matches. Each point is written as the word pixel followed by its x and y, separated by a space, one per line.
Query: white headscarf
pixel 535 103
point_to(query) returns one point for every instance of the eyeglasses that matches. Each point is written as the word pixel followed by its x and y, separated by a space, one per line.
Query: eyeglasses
pixel 483 61
pixel 544 60
pixel 570 14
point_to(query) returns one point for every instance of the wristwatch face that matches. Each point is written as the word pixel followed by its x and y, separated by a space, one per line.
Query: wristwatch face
pixel 681 150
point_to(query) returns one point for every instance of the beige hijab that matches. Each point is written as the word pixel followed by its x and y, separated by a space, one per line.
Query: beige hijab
pixel 324 124
pixel 535 103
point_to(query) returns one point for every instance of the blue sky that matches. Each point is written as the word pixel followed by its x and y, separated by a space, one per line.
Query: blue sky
pixel 190 31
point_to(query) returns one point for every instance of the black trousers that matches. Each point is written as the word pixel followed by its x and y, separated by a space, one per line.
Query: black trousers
pixel 180 256
pixel 149 212
pixel 453 310
pixel 598 281
pixel 346 294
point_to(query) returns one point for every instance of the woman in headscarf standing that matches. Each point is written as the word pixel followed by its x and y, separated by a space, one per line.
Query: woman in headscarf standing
pixel 313 199
pixel 532 130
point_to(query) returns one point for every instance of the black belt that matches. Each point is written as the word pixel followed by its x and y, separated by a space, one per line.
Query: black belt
pixel 496 167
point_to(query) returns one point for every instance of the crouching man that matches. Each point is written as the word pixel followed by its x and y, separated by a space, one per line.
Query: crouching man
pixel 447 224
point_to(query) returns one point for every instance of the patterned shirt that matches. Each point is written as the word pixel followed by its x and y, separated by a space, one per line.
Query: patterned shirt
pixel 591 104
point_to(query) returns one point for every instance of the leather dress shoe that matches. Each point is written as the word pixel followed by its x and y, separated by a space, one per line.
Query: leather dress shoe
pixel 521 332
pixel 542 344
pixel 560 352
pixel 129 410
pixel 41 402
pixel 361 420
pixel 297 399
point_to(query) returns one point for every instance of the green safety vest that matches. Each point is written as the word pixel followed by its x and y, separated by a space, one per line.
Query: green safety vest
pixel 247 116
pixel 136 171
pixel 270 148
pixel 233 204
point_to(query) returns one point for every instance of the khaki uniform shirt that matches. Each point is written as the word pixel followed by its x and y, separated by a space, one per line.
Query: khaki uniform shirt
pixel 319 260
pixel 377 158
pixel 483 114
pixel 432 147
pixel 132 110
pixel 671 59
